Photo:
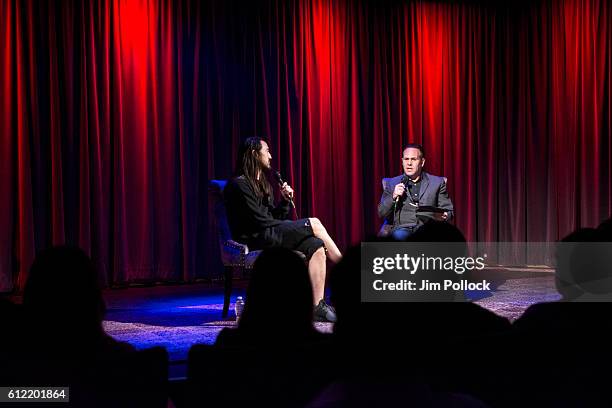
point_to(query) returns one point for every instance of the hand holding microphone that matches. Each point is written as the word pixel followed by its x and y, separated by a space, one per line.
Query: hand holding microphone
pixel 400 189
pixel 286 189
pixel 287 192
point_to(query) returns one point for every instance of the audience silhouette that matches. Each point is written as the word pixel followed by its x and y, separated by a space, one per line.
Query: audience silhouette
pixel 276 272
pixel 63 342
pixel 432 354
pixel 418 342
pixel 570 338
pixel 62 292
pixel 280 355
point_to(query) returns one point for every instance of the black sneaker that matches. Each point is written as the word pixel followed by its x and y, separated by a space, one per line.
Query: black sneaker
pixel 324 313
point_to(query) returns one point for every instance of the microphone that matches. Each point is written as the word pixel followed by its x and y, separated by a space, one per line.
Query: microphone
pixel 404 181
pixel 280 180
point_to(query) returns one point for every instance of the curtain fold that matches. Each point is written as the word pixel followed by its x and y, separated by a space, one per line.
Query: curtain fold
pixel 114 115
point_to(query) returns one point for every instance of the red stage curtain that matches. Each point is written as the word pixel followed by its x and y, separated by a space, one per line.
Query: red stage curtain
pixel 114 114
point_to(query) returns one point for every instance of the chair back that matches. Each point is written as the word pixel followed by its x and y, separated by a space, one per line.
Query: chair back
pixel 386 227
pixel 217 202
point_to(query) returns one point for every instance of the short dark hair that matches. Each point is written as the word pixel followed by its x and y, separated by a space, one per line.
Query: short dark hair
pixel 414 146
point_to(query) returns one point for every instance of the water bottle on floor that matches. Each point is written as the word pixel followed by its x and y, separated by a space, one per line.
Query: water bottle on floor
pixel 239 307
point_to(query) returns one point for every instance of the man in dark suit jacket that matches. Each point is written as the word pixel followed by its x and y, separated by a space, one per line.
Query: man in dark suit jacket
pixel 407 192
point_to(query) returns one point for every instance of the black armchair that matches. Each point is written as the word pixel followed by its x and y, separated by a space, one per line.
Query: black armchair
pixel 233 254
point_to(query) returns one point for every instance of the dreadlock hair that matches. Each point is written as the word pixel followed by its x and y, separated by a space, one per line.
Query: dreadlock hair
pixel 248 165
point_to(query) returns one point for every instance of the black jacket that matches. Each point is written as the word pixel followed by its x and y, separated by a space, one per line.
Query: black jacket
pixel 250 217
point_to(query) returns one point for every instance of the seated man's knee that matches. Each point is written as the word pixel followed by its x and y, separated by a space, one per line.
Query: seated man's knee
pixel 315 221
pixel 319 254
pixel 401 234
pixel 317 226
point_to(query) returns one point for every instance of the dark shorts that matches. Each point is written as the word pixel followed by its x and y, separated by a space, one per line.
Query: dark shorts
pixel 296 235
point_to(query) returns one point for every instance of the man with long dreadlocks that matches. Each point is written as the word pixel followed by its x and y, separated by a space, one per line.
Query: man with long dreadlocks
pixel 255 221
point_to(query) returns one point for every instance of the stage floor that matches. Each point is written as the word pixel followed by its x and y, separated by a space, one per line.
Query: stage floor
pixel 178 316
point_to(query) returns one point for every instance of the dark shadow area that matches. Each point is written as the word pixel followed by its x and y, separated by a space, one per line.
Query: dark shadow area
pixel 425 354
pixel 58 340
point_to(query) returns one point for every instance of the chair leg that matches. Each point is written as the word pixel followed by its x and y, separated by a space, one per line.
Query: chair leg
pixel 228 275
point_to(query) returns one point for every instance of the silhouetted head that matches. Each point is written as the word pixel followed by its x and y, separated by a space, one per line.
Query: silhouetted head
pixel 279 291
pixel 605 229
pixel 345 287
pixel 584 268
pixel 440 231
pixel 564 280
pixel 591 265
pixel 437 231
pixel 62 290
